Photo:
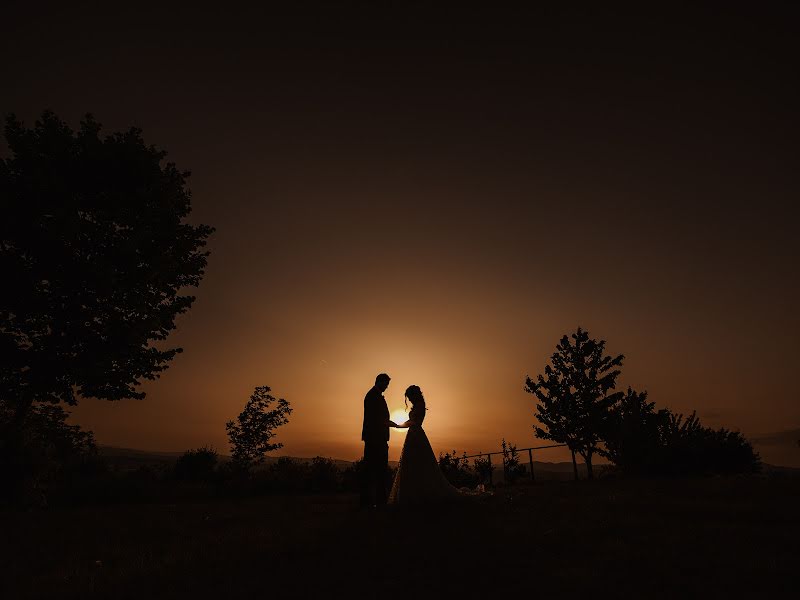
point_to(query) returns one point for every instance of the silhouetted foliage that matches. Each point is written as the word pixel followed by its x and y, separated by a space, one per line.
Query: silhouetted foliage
pixel 573 394
pixel 324 475
pixel 196 465
pixel 457 470
pixel 691 448
pixel 633 434
pixel 255 426
pixel 642 441
pixel 483 469
pixel 286 475
pixel 38 450
pixel 512 469
pixel 95 251
pixel 352 475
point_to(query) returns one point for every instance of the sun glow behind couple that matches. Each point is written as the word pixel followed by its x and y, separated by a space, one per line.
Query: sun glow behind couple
pixel 399 416
pixel 418 479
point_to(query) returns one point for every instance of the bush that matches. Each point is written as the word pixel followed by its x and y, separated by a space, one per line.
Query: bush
pixel 39 451
pixel 643 441
pixel 286 475
pixel 97 483
pixel 196 465
pixel 690 448
pixel 324 476
pixel 633 437
pixel 351 476
pixel 483 469
pixel 456 469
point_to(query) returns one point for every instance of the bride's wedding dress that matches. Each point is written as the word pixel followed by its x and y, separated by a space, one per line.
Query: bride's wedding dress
pixel 419 479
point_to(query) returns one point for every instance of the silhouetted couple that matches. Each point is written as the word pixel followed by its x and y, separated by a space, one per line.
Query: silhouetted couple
pixel 419 479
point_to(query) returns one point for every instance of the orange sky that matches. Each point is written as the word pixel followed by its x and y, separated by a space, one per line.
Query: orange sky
pixel 442 196
pixel 317 319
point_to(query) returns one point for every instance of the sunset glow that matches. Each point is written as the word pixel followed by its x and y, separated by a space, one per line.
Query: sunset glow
pixel 399 416
pixel 235 238
pixel 433 215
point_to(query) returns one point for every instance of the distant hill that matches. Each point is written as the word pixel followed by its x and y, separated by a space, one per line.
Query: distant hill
pixel 129 459
pixel 775 470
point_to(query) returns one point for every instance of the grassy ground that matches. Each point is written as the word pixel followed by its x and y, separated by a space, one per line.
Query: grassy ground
pixel 713 537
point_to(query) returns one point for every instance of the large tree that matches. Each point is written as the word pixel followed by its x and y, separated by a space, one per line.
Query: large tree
pixel 575 394
pixel 95 257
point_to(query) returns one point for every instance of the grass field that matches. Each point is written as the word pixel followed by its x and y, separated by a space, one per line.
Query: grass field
pixel 714 537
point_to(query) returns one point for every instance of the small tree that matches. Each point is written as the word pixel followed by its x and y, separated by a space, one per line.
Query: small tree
pixel 574 395
pixel 512 469
pixel 483 468
pixel 255 426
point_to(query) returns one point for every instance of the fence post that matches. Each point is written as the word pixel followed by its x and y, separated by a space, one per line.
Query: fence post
pixel 491 468
pixel 530 458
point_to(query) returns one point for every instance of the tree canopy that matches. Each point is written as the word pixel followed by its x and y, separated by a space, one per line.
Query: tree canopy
pixel 578 407
pixel 574 394
pixel 640 440
pixel 633 433
pixel 95 256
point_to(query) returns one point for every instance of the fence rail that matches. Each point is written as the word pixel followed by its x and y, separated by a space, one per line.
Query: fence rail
pixel 530 457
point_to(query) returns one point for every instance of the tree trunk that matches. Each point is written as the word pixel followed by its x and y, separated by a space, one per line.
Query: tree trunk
pixel 574 464
pixel 588 458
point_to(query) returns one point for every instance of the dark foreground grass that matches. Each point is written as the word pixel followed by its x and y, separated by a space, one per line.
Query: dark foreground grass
pixel 637 539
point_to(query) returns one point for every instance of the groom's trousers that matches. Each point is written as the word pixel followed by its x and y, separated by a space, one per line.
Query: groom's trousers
pixel 373 478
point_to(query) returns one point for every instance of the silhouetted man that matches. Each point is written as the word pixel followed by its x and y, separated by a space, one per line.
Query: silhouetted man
pixel 375 435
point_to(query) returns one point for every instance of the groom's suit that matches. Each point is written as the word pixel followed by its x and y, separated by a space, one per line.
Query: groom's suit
pixel 375 434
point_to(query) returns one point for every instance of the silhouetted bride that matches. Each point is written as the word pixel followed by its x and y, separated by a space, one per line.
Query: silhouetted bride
pixel 419 479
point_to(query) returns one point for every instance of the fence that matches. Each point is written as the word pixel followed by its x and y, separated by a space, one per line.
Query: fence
pixel 530 457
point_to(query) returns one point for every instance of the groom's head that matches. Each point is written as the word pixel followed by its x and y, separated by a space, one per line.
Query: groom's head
pixel 382 382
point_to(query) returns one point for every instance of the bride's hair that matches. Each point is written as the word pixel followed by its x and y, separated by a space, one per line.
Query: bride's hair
pixel 414 394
